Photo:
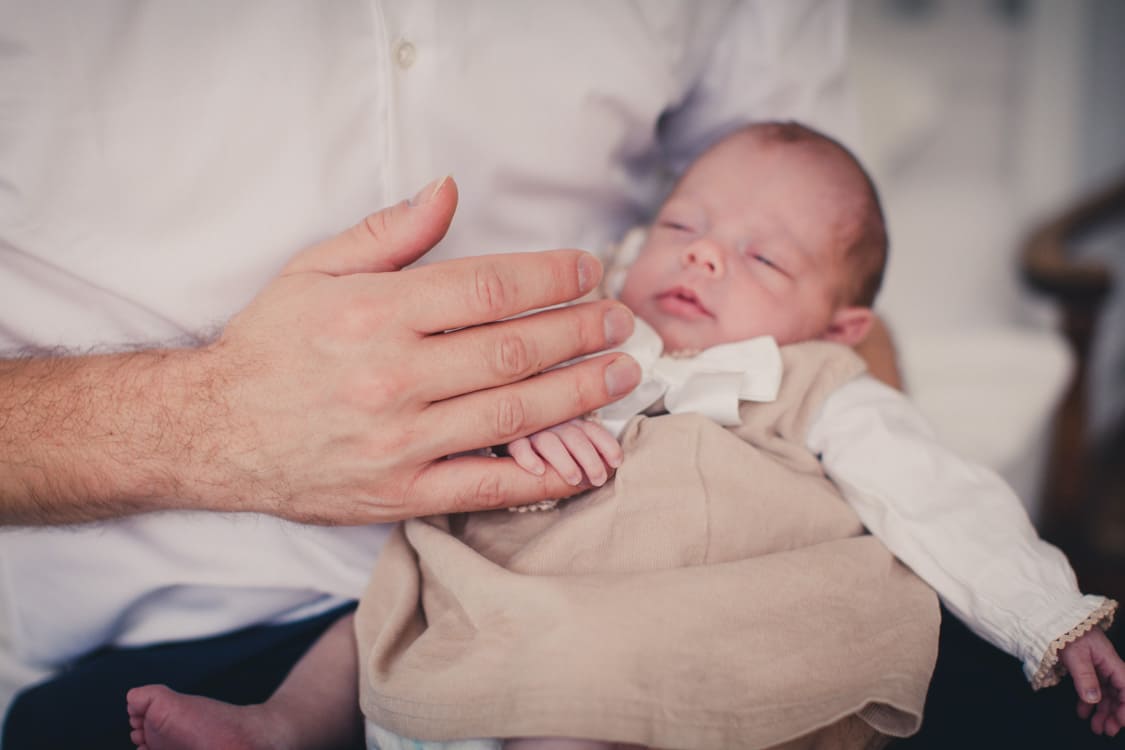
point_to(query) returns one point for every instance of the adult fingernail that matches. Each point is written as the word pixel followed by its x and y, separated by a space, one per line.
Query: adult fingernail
pixel 622 376
pixel 618 324
pixel 589 272
pixel 427 193
pixel 1092 696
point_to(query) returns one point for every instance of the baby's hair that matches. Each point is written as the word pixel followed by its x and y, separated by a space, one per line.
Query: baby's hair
pixel 867 244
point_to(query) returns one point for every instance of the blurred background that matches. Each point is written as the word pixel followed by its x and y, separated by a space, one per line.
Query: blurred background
pixel 983 122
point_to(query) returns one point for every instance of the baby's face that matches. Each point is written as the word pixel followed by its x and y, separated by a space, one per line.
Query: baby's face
pixel 748 244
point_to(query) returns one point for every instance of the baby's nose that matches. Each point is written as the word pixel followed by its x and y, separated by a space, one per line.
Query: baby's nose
pixel 706 256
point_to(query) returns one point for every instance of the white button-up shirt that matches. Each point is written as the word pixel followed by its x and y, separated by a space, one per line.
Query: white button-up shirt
pixel 160 162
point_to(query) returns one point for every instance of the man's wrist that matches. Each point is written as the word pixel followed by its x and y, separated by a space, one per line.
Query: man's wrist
pixel 218 466
pixel 93 437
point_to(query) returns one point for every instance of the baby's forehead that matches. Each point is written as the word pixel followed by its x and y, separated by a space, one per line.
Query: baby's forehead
pixel 738 163
pixel 814 157
pixel 734 169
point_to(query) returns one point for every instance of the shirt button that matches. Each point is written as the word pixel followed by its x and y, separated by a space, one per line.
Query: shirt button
pixel 405 54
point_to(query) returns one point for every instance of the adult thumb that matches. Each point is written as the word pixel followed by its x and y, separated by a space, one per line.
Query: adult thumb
pixel 386 240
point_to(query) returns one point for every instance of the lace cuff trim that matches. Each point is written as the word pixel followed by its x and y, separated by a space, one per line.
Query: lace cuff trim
pixel 1051 670
pixel 534 507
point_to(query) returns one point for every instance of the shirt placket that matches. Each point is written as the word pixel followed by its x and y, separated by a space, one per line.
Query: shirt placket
pixel 408 64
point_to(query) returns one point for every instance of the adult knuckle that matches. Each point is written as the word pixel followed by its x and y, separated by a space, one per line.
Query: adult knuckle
pixel 483 493
pixel 489 492
pixel 375 225
pixel 512 357
pixel 355 320
pixel 393 501
pixel 585 394
pixel 376 391
pixel 510 417
pixel 492 291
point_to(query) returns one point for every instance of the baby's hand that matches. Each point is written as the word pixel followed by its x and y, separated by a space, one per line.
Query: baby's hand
pixel 571 448
pixel 1099 679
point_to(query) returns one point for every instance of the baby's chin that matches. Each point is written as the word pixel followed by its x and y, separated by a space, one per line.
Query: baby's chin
pixel 678 341
pixel 693 340
pixel 684 337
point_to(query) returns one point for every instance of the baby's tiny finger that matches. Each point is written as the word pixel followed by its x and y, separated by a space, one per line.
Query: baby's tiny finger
pixel 551 449
pixel 582 450
pixel 1101 714
pixel 606 444
pixel 526 456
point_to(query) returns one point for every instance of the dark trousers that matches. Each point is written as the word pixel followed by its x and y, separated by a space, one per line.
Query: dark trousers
pixel 979 698
pixel 84 706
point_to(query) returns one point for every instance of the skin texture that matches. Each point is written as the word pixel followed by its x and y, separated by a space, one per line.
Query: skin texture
pixel 748 244
pixel 314 708
pixel 334 397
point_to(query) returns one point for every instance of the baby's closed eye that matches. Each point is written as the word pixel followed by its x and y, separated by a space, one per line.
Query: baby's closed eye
pixel 675 226
pixel 765 260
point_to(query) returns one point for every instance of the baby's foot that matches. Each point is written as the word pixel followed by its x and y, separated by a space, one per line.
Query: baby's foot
pixel 163 719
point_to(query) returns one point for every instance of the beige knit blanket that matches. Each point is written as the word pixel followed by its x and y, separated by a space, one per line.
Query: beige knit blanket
pixel 717 594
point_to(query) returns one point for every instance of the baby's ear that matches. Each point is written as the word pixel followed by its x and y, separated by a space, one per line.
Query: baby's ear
pixel 849 325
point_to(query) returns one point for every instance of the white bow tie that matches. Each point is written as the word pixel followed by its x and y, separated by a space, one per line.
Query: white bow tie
pixel 711 383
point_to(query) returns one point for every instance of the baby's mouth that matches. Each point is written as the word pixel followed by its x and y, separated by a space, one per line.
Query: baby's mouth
pixel 683 302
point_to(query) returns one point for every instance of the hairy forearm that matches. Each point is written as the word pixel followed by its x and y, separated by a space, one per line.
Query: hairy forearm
pixel 93 437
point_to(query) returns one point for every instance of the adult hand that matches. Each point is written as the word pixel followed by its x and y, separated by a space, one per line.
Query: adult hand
pixel 333 397
pixel 336 394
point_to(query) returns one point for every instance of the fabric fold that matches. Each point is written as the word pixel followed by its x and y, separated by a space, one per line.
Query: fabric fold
pixel 717 594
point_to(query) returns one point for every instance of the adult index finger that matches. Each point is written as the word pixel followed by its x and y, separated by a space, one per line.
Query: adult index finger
pixel 487 288
pixel 480 357
pixel 500 415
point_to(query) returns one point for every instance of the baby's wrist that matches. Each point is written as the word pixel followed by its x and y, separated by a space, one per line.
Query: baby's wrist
pixel 1051 668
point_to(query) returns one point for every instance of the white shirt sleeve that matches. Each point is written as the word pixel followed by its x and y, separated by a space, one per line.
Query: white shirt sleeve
pixel 956 524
